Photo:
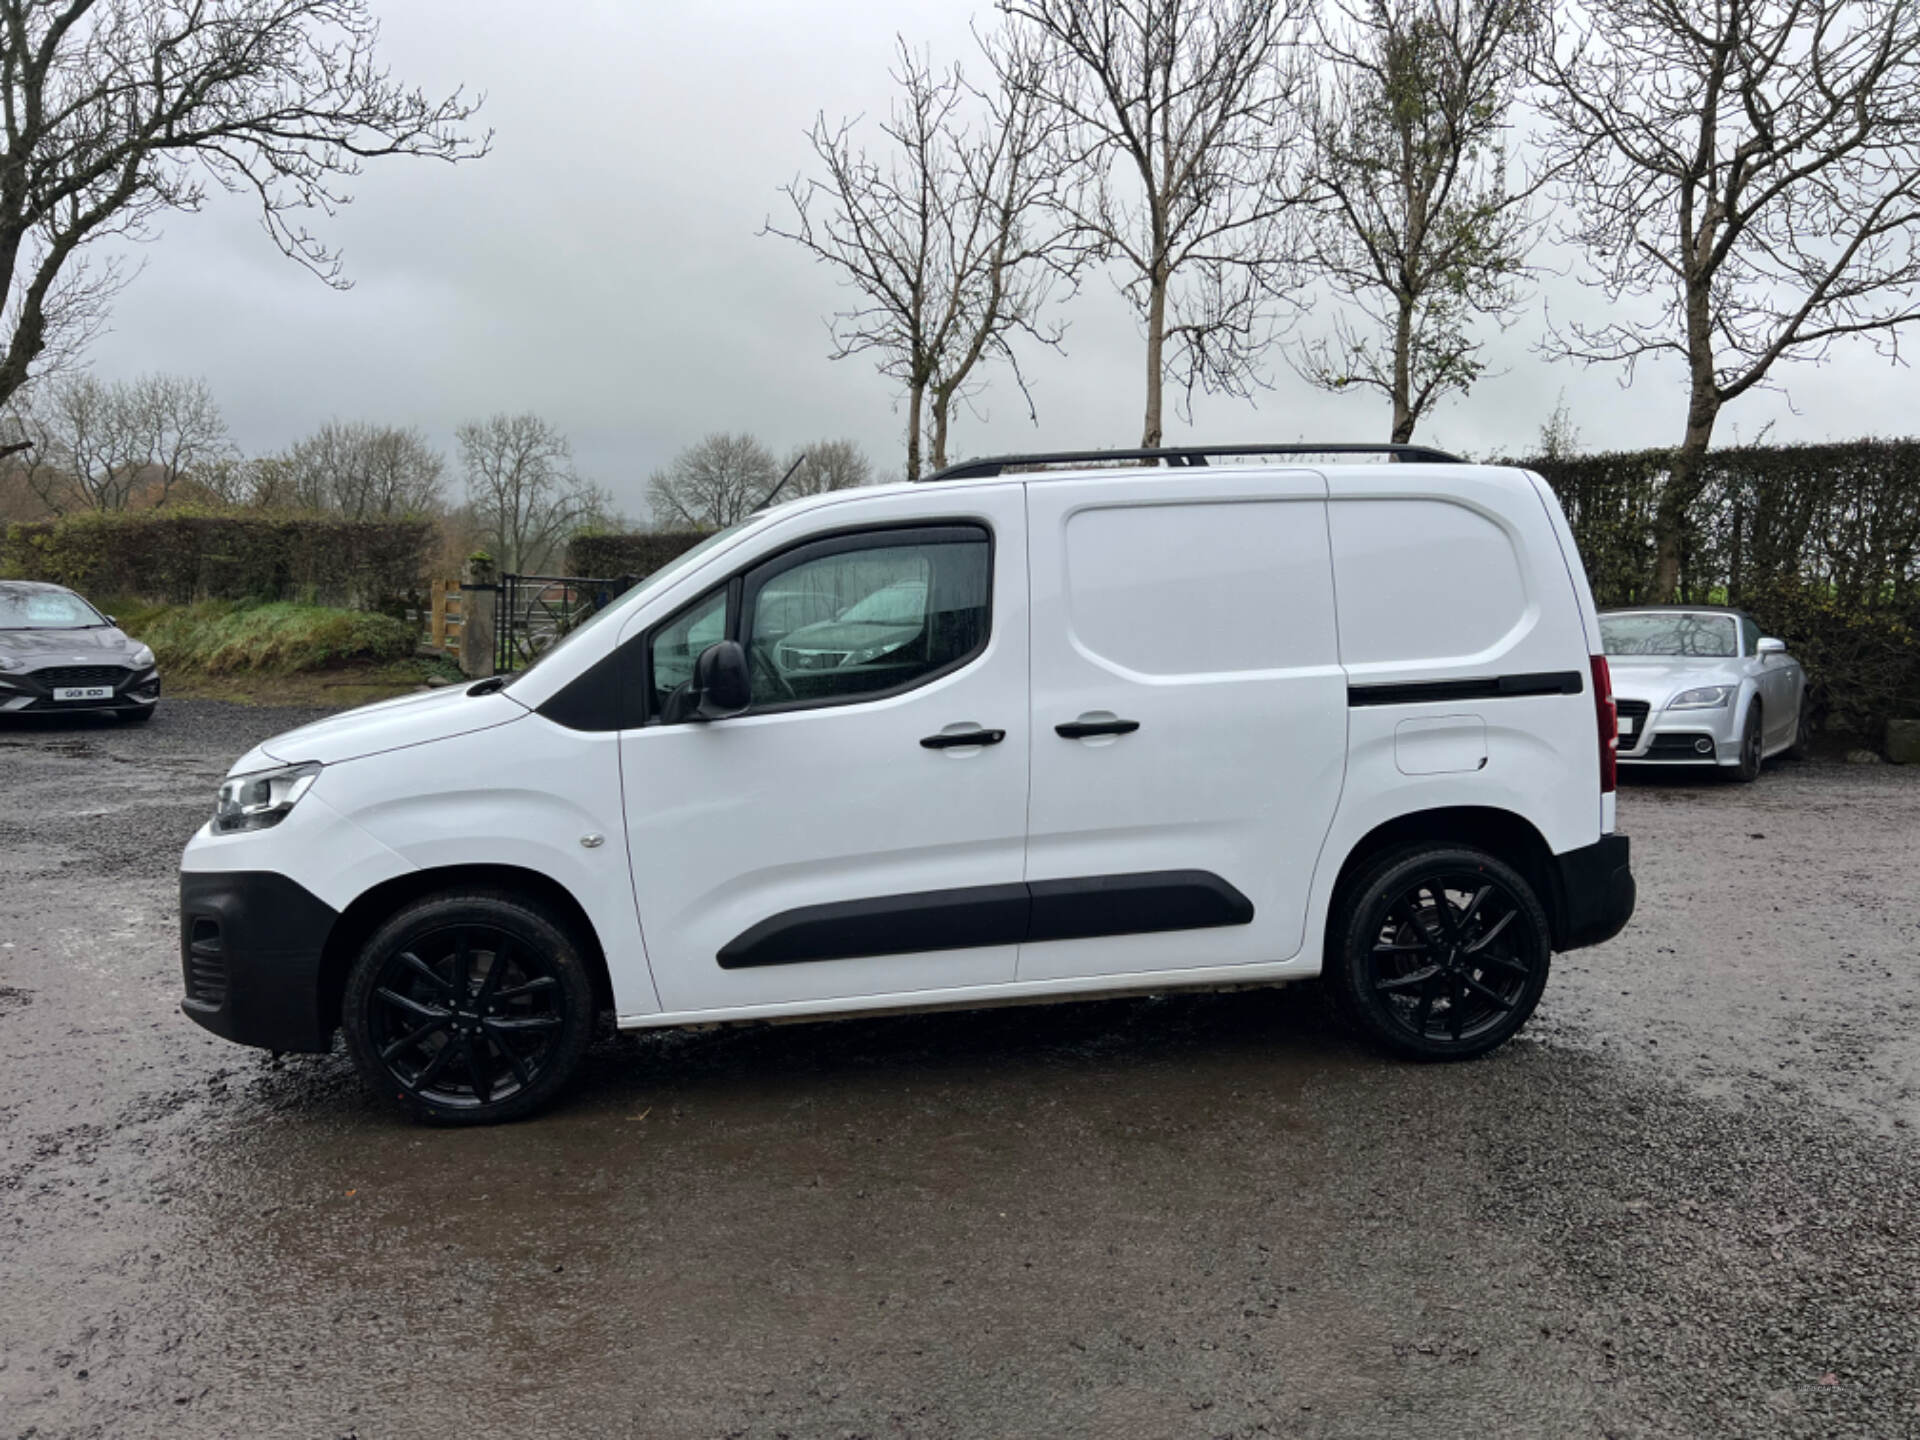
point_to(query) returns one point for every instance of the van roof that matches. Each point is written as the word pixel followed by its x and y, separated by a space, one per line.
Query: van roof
pixel 1177 456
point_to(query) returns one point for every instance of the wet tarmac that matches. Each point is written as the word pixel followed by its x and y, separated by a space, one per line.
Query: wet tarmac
pixel 1686 1202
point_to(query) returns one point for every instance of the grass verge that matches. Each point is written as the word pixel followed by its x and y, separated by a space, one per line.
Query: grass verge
pixel 279 653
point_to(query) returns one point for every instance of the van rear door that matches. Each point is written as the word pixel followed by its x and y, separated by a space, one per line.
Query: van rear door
pixel 1189 718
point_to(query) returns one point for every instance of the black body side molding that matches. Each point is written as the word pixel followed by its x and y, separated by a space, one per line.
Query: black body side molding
pixel 891 925
pixel 1134 905
pixel 980 915
pixel 1479 687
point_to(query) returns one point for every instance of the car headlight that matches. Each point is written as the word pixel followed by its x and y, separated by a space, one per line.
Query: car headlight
pixel 8 664
pixel 142 657
pixel 1707 697
pixel 872 652
pixel 263 799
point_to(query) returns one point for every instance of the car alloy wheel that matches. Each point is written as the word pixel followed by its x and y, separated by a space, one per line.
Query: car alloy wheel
pixel 1445 955
pixel 469 1009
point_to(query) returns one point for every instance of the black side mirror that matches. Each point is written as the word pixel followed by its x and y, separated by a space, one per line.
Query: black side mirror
pixel 721 683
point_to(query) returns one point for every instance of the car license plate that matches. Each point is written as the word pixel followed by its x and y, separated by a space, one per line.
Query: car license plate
pixel 1626 727
pixel 83 692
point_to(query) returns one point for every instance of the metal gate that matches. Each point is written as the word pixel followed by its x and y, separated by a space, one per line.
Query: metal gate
pixel 534 611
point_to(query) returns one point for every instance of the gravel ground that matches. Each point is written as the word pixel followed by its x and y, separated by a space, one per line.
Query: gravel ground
pixel 1683 1204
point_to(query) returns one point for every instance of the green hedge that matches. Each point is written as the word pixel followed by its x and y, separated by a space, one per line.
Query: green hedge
pixel 1820 543
pixel 639 555
pixel 178 557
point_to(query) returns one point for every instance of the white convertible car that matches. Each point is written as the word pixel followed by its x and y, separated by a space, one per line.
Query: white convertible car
pixel 1700 685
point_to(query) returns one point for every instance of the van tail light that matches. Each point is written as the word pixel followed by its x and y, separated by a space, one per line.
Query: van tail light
pixel 1606 719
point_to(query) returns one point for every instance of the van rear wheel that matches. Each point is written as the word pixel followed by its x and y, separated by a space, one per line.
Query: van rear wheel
pixel 469 1008
pixel 1442 952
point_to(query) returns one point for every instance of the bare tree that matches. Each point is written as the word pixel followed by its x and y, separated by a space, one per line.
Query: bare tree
pixel 1752 169
pixel 95 445
pixel 1185 114
pixel 523 489
pixel 825 465
pixel 362 471
pixel 262 482
pixel 1416 224
pixel 722 479
pixel 947 239
pixel 119 110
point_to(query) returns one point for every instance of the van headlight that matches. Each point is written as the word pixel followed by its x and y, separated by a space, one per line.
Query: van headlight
pixel 1707 697
pixel 261 800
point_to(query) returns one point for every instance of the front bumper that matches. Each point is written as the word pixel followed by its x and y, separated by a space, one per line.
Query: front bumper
pixel 30 692
pixel 1594 893
pixel 251 943
pixel 1675 737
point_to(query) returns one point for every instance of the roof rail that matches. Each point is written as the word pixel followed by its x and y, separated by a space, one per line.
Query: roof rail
pixel 1179 455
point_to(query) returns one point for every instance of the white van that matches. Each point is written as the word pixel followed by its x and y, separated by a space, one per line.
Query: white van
pixel 1033 728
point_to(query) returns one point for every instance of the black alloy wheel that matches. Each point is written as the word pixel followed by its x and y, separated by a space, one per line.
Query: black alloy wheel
pixel 469 1009
pixel 1444 953
pixel 1751 747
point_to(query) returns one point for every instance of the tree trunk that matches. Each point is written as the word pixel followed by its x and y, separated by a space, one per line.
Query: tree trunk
pixel 1687 475
pixel 916 401
pixel 1151 432
pixel 942 408
pixel 1403 417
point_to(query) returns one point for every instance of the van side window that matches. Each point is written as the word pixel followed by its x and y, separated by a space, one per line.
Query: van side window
pixel 678 643
pixel 858 616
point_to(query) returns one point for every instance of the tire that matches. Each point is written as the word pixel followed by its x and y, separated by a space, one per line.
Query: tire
pixel 1800 749
pixel 1431 983
pixel 1752 745
pixel 469 1008
pixel 137 717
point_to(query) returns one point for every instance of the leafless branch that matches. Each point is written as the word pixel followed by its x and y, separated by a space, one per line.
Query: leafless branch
pixel 1745 181
pixel 116 111
pixel 1185 116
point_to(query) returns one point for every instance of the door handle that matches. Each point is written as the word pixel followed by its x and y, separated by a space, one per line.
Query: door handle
pixel 954 739
pixel 1081 729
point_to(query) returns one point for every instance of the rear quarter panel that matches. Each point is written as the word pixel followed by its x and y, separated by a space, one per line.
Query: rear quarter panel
pixel 1450 576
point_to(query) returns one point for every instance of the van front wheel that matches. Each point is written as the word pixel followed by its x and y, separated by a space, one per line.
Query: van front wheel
pixel 1442 952
pixel 469 1008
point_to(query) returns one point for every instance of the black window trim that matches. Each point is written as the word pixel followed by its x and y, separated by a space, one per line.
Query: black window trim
pixel 643 644
pixel 745 584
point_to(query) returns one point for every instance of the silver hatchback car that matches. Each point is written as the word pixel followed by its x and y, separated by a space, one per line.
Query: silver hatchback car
pixel 1701 685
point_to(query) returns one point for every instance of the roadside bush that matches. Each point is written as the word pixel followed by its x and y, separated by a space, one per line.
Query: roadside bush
pixel 639 555
pixel 219 637
pixel 1820 543
pixel 180 557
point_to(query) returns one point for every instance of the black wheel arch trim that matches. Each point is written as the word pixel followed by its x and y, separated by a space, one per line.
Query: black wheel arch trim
pixel 970 917
pixel 1584 901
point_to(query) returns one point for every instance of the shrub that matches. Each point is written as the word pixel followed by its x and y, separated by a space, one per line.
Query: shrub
pixel 179 557
pixel 605 557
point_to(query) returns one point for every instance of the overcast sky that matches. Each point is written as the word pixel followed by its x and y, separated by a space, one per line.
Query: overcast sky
pixel 602 267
